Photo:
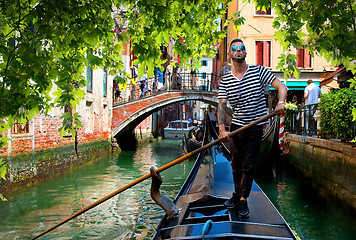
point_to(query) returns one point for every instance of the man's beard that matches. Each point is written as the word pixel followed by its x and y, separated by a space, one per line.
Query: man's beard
pixel 238 59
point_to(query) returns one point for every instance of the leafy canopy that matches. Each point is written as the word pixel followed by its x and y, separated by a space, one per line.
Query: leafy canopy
pixel 49 43
pixel 45 46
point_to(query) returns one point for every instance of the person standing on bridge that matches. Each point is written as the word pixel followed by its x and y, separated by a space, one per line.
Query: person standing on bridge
pixel 243 88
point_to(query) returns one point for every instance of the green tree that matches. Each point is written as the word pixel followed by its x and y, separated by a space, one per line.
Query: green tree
pixel 45 43
pixel 336 114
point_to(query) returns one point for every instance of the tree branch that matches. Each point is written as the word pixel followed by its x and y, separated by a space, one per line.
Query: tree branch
pixel 21 19
pixel 5 9
pixel 6 68
pixel 353 15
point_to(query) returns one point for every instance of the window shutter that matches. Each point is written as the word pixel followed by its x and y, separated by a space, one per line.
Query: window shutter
pixel 105 82
pixel 267 54
pixel 307 59
pixel 89 78
pixel 300 61
pixel 259 53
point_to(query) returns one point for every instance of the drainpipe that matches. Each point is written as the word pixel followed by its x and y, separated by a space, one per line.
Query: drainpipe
pixel 9 154
pixel 33 140
pixel 154 123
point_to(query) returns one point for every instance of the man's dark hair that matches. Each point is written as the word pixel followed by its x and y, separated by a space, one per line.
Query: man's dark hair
pixel 236 40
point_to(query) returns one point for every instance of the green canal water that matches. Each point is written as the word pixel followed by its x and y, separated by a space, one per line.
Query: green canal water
pixel 133 215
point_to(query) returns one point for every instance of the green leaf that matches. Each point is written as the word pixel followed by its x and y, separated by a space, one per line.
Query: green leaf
pixel 3 172
pixel 2 198
pixel 142 69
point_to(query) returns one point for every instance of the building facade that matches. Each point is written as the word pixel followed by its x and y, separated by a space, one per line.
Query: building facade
pixel 41 132
pixel 262 49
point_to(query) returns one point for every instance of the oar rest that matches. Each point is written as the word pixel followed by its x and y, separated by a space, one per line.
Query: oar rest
pixel 164 202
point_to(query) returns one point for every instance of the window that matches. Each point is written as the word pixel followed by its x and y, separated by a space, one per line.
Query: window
pixel 263 53
pixel 204 63
pixel 267 12
pixel 105 82
pixel 89 117
pixel 19 128
pixel 89 78
pixel 304 58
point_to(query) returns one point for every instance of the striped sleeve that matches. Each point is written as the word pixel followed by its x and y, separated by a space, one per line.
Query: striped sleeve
pixel 266 76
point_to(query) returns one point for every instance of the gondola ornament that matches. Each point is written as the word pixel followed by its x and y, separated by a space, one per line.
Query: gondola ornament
pixel 168 206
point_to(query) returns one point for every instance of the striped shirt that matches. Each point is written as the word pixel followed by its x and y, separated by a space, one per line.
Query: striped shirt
pixel 246 96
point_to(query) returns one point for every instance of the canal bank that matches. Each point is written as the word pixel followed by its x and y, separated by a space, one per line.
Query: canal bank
pixel 25 170
pixel 329 165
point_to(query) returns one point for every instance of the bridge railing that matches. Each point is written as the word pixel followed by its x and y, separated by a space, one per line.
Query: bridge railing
pixel 171 82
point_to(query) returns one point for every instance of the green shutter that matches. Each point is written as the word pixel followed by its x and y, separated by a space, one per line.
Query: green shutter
pixel 105 82
pixel 89 78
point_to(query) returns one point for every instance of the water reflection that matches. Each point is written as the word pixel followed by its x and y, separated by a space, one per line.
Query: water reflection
pixel 310 216
pixel 133 215
pixel 129 215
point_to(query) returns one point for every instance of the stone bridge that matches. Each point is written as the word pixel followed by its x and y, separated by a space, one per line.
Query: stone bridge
pixel 127 116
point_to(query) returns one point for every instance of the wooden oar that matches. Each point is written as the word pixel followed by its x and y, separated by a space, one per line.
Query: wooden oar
pixel 168 165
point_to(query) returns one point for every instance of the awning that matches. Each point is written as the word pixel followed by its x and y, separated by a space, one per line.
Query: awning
pixel 296 85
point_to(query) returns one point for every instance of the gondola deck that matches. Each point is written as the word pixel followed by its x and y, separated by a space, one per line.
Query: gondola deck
pixel 203 214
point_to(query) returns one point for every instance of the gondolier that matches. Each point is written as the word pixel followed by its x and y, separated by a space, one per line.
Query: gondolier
pixel 243 87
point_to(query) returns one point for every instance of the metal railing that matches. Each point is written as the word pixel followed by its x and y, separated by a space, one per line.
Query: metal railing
pixel 149 86
pixel 304 121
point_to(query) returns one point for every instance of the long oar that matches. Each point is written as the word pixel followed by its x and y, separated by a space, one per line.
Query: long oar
pixel 168 165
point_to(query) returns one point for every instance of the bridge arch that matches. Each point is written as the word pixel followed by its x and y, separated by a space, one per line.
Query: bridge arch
pixel 128 123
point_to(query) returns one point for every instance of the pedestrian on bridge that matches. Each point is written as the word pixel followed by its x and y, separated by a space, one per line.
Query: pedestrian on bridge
pixel 159 79
pixel 179 77
pixel 243 88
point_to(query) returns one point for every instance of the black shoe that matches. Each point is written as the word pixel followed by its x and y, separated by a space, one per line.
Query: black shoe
pixel 233 201
pixel 243 209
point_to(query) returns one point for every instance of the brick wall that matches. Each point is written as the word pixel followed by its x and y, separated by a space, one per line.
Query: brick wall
pixel 44 134
pixel 329 165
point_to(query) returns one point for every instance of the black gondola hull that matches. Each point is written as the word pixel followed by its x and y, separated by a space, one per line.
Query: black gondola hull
pixel 202 211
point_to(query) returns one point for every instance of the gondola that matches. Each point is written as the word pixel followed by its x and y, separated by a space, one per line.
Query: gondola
pixel 202 214
pixel 189 145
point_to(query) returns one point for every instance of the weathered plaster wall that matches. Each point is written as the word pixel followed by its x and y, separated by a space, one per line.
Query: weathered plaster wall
pixel 330 165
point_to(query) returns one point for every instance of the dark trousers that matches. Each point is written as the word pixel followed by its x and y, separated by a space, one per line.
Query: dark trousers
pixel 245 149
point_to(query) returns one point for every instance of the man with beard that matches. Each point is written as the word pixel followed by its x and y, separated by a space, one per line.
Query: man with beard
pixel 243 87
